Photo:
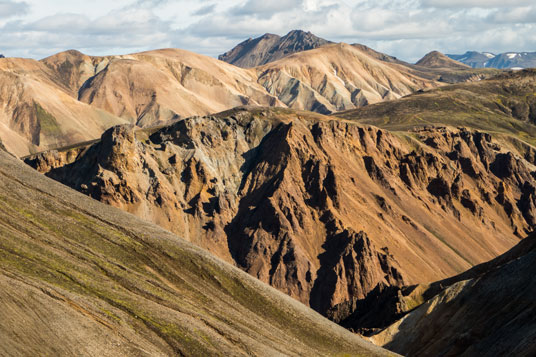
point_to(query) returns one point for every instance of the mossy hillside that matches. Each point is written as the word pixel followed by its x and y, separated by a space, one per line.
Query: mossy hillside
pixel 47 122
pixel 505 104
pixel 153 285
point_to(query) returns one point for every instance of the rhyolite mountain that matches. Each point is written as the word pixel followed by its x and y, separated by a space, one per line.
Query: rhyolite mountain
pixel 486 311
pixel 325 210
pixel 71 97
pixel 503 60
pixel 78 277
pixel 436 59
pixel 267 48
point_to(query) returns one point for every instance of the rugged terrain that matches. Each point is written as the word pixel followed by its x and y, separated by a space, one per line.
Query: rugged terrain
pixel 503 60
pixel 78 277
pixel 323 209
pixel 269 48
pixel 486 311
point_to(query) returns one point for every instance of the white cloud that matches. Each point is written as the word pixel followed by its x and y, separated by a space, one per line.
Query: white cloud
pixel 10 8
pixel 475 3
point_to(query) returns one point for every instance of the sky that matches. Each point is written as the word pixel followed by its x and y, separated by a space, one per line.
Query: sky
pixel 407 29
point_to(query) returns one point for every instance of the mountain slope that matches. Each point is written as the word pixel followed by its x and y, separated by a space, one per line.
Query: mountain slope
pixel 336 77
pixel 36 112
pixel 487 311
pixel 81 278
pixel 323 209
pixel 502 104
pixel 268 48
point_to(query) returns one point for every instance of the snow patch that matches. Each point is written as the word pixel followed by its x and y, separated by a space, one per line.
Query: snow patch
pixel 512 55
pixel 516 68
pixel 337 76
pixel 489 55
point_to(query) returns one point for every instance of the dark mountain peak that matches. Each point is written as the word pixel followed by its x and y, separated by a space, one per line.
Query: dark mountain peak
pixel 269 47
pixel 2 56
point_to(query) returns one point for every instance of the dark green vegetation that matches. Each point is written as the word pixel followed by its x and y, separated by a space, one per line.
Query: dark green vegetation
pixel 78 277
pixel 502 104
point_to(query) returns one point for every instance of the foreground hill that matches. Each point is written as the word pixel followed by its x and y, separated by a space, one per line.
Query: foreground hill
pixel 269 48
pixel 486 311
pixel 81 278
pixel 502 104
pixel 323 209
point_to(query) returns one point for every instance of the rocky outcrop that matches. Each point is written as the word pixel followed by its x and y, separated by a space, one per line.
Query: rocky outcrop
pixel 324 210
pixel 269 48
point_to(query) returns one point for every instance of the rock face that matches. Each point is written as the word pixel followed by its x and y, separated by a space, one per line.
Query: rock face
pixel 269 48
pixel 82 278
pixel 487 311
pixel 436 59
pixel 322 209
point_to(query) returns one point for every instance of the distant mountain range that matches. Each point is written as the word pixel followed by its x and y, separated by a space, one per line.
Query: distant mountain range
pixel 501 61
pixel 2 56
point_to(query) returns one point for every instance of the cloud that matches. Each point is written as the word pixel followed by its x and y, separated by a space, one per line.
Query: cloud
pixel 265 8
pixel 485 4
pixel 11 8
pixel 204 10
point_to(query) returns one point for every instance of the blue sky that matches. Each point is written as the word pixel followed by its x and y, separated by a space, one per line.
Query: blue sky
pixel 406 29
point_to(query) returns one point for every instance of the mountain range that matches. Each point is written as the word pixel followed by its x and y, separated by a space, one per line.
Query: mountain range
pixel 242 207
pixel 70 97
pixel 516 60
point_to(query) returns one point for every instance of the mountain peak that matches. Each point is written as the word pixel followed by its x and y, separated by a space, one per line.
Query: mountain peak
pixel 436 59
pixel 269 47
